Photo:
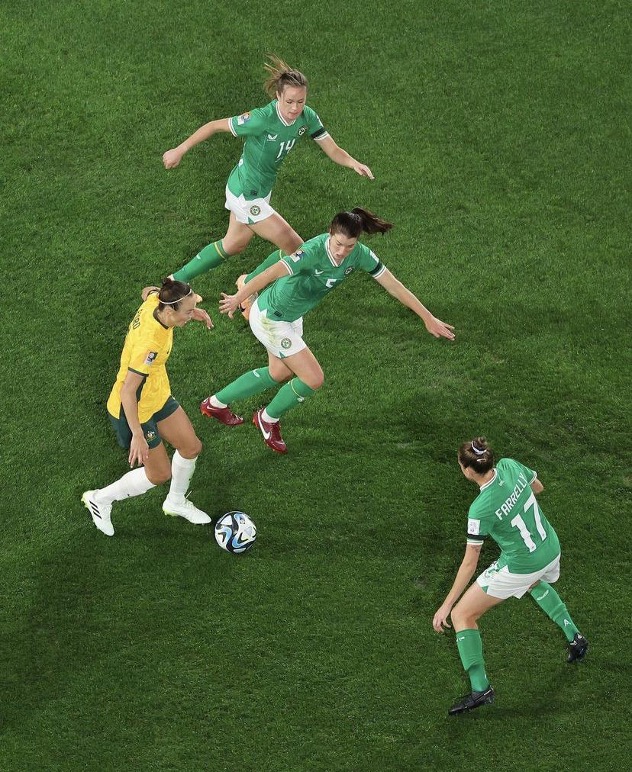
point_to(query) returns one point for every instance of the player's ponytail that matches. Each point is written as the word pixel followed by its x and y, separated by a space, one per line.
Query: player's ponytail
pixel 280 76
pixel 477 454
pixel 171 293
pixel 352 224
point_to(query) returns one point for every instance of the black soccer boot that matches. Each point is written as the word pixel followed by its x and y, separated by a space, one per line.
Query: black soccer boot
pixel 473 700
pixel 577 648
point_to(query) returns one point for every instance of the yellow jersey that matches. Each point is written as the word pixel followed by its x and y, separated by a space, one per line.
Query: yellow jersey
pixel 146 350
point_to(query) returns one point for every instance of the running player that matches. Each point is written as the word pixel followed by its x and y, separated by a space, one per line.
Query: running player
pixel 270 133
pixel 507 511
pixel 301 281
pixel 143 412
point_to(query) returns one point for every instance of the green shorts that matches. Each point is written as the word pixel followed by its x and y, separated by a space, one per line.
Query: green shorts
pixel 150 428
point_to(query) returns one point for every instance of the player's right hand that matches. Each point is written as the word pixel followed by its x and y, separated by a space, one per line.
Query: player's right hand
pixel 228 304
pixel 172 158
pixel 440 619
pixel 138 451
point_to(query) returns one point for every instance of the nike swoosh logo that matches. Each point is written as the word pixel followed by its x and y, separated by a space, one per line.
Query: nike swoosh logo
pixel 266 435
pixel 318 273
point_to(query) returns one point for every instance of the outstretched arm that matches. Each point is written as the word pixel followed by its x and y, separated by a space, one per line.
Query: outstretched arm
pixel 341 157
pixel 463 576
pixel 394 287
pixel 173 157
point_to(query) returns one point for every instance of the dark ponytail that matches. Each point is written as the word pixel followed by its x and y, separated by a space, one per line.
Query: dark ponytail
pixel 352 224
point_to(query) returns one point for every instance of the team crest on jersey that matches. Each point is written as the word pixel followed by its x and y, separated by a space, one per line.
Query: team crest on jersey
pixel 151 356
pixel 286 343
pixel 150 435
pixel 302 131
pixel 348 271
pixel 243 118
pixel 255 210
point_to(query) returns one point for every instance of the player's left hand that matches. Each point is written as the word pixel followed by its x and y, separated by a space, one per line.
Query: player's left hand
pixel 439 329
pixel 362 170
pixel 228 304
pixel 201 315
pixel 440 619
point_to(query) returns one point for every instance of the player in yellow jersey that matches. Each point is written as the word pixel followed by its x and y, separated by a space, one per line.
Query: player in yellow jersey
pixel 143 412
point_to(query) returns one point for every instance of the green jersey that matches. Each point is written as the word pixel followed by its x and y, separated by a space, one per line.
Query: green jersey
pixel 506 509
pixel 268 140
pixel 313 273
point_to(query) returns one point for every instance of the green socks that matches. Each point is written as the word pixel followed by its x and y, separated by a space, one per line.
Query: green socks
pixel 252 382
pixel 470 649
pixel 215 254
pixel 287 397
pixel 270 260
pixel 470 645
pixel 207 259
pixel 256 381
pixel 551 603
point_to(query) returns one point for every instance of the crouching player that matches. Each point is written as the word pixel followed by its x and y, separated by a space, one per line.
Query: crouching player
pixel 507 511
pixel 143 412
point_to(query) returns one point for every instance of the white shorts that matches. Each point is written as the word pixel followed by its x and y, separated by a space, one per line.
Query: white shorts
pixel 282 339
pixel 501 583
pixel 249 212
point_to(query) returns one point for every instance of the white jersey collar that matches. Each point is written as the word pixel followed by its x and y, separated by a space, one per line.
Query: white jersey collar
pixel 329 255
pixel 487 484
pixel 281 118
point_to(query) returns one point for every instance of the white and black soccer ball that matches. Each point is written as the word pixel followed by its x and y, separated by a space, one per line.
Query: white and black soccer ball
pixel 235 532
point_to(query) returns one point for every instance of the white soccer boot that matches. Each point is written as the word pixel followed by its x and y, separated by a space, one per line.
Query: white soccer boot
pixel 101 513
pixel 187 510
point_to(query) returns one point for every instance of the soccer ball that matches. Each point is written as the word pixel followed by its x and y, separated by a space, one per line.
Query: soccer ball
pixel 235 532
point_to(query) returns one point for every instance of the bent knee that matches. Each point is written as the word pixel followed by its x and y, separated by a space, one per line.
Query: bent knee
pixel 234 246
pixel 191 450
pixel 281 375
pixel 159 476
pixel 459 616
pixel 317 382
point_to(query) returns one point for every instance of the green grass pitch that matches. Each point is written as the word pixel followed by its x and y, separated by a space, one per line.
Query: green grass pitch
pixel 499 135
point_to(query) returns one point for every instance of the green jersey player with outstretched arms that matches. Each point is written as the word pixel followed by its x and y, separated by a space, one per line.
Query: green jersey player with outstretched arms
pixel 293 285
pixel 507 511
pixel 269 134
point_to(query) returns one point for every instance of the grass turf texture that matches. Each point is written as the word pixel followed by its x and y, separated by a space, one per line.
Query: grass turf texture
pixel 499 137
